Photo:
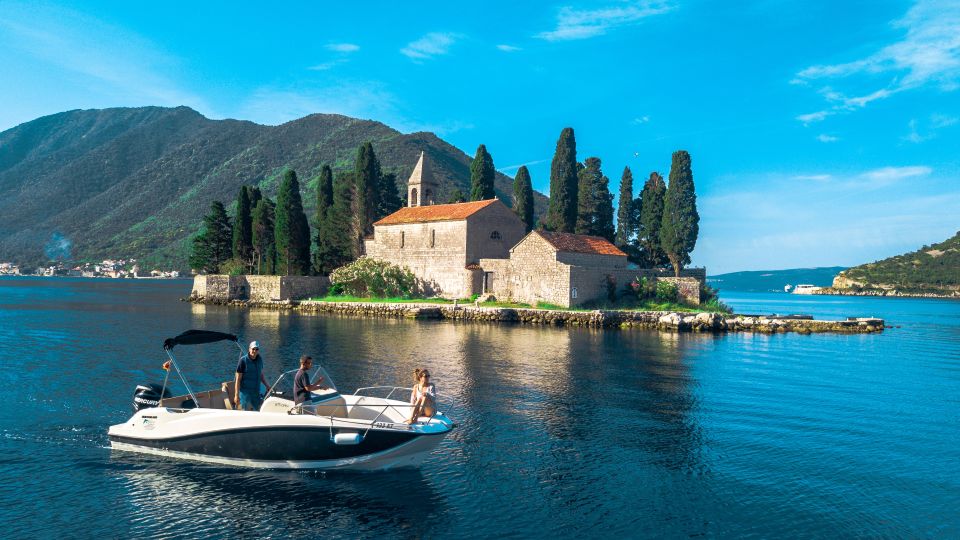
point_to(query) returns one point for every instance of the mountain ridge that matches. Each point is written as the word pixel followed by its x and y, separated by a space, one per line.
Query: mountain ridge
pixel 135 182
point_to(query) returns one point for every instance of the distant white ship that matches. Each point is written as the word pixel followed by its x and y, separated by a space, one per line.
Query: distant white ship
pixel 787 287
pixel 806 288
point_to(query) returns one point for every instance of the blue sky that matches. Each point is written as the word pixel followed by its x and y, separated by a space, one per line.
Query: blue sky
pixel 822 133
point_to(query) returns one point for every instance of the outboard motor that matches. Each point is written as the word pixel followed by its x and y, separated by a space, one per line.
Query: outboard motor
pixel 148 395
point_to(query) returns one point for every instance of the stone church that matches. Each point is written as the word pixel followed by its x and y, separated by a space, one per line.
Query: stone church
pixel 479 247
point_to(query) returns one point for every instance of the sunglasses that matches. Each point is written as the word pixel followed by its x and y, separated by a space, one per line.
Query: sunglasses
pixel 255 349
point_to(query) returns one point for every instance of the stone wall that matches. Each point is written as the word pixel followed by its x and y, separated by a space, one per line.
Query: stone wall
pixel 222 289
pixel 439 267
pixel 480 228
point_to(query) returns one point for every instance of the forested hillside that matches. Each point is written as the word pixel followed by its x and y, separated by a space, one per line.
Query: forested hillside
pixel 135 182
pixel 933 268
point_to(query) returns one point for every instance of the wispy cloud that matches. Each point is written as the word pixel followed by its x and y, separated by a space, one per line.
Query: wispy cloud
pixel 919 132
pixel 121 66
pixel 824 138
pixel 508 48
pixel 888 175
pixel 641 120
pixel 814 177
pixel 928 54
pixel 574 23
pixel 430 45
pixel 940 121
pixel 327 65
pixel 359 99
pixel 343 47
pixel 510 168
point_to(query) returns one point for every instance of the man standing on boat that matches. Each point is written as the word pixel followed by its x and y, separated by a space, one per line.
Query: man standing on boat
pixel 248 378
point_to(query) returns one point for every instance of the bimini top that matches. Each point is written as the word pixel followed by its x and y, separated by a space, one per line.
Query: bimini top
pixel 197 337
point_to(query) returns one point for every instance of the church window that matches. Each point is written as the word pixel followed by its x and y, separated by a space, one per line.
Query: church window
pixel 495 235
pixel 433 237
pixel 402 234
pixel 573 293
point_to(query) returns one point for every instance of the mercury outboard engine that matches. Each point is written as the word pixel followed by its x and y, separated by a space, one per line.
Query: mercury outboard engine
pixel 148 395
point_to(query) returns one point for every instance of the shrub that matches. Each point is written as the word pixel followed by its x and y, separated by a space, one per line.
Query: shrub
pixel 336 289
pixel 666 291
pixel 367 277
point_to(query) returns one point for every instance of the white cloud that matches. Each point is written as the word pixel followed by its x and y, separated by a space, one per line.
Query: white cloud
pixel 327 65
pixel 526 163
pixel 888 175
pixel 573 23
pixel 430 45
pixel 824 138
pixel 940 121
pixel 814 116
pixel 641 120
pixel 815 177
pixel 508 48
pixel 927 54
pixel 120 66
pixel 924 131
pixel 343 47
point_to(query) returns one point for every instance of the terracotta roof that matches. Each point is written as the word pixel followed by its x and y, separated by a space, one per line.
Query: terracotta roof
pixel 580 243
pixel 435 212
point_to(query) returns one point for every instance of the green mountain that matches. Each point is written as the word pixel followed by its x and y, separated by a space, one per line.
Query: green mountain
pixel 930 269
pixel 773 280
pixel 135 182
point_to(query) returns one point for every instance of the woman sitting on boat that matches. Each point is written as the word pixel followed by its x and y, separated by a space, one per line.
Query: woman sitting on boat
pixel 423 397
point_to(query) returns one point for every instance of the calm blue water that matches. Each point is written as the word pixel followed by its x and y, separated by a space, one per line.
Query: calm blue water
pixel 563 432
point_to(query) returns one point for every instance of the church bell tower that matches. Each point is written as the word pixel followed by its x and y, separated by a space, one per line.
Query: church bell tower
pixel 421 188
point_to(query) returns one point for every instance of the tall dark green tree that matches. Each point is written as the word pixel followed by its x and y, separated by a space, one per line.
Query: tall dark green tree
pixel 242 223
pixel 523 197
pixel 681 222
pixel 212 247
pixel 335 232
pixel 626 217
pixel 324 194
pixel 390 200
pixel 649 220
pixel 594 201
pixel 482 174
pixel 562 212
pixel 366 195
pixel 292 232
pixel 255 196
pixel 264 251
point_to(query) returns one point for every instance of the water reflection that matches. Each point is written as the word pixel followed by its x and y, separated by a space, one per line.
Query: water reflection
pixel 185 499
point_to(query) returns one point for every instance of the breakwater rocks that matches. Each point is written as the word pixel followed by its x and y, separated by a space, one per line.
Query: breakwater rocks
pixel 952 294
pixel 651 320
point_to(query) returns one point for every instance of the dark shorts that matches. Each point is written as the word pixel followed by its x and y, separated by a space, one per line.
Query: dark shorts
pixel 250 400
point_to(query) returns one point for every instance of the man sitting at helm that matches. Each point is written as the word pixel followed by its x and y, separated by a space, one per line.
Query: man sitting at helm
pixel 248 378
pixel 301 382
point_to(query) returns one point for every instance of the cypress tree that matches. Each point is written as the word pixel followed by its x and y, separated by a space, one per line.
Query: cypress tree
pixel 562 212
pixel 649 220
pixel 458 196
pixel 212 247
pixel 681 222
pixel 291 230
pixel 324 194
pixel 626 224
pixel 594 201
pixel 241 228
pixel 264 252
pixel 366 195
pixel 334 235
pixel 255 196
pixel 523 197
pixel 390 200
pixel 482 174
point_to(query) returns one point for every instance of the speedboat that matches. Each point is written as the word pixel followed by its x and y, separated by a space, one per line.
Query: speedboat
pixel 358 431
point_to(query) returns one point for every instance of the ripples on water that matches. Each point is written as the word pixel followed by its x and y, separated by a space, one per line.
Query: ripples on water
pixel 563 432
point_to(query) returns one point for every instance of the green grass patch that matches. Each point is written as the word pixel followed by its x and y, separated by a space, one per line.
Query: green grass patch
pixel 347 298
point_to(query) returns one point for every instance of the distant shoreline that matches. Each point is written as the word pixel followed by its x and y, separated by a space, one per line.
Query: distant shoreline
pixel 830 291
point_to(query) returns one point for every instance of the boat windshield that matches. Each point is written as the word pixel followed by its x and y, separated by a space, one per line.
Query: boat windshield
pixel 284 385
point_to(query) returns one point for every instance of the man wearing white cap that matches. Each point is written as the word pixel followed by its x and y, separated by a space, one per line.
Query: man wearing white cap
pixel 248 379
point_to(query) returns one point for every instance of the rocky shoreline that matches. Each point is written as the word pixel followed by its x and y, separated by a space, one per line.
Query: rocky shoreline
pixel 649 320
pixel 892 293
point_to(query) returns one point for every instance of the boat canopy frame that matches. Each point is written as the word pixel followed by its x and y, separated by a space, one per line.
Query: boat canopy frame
pixel 192 337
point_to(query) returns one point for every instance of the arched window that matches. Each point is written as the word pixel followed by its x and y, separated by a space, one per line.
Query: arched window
pixel 433 237
pixel 495 235
pixel 413 197
pixel 402 234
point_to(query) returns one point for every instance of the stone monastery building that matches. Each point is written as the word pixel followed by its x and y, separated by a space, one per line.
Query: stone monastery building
pixel 479 247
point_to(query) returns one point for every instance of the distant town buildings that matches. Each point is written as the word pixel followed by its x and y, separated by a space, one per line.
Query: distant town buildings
pixel 108 268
